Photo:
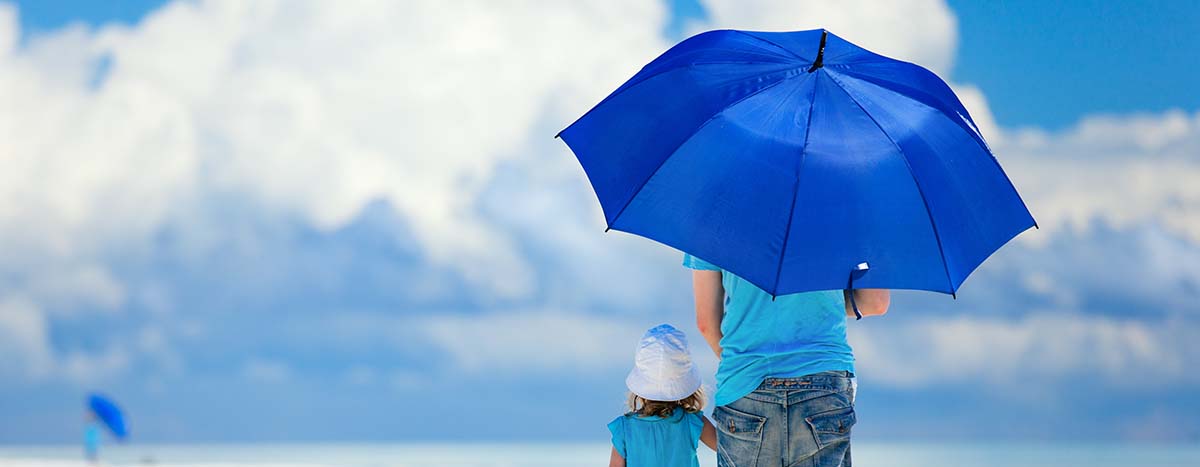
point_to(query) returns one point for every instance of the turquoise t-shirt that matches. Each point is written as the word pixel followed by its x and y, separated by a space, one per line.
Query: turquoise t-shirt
pixel 794 335
pixel 658 441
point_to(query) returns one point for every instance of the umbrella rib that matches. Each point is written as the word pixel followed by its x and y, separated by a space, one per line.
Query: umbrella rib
pixel 630 84
pixel 906 93
pixel 685 140
pixel 780 47
pixel 787 233
pixel 871 57
pixel 904 157
pixel 977 136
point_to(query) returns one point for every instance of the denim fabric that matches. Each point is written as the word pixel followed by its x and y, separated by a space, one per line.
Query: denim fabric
pixel 786 422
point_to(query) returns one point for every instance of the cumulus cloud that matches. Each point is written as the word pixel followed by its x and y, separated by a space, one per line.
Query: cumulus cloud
pixel 1051 346
pixel 303 107
pixel 919 31
pixel 537 341
pixel 93 367
pixel 1123 170
pixel 68 289
pixel 8 29
pixel 24 339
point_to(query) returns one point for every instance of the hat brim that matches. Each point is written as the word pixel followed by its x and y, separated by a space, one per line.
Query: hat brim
pixel 650 388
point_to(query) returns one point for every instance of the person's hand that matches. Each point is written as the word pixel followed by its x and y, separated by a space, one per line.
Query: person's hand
pixel 871 302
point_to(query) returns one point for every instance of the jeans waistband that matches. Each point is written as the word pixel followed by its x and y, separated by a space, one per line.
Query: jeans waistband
pixel 824 378
pixel 789 390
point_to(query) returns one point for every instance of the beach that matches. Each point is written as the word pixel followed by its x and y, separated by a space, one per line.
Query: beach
pixel 583 454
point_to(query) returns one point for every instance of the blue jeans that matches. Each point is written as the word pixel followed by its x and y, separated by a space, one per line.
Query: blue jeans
pixel 788 422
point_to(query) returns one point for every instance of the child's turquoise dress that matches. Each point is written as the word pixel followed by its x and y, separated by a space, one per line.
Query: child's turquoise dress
pixel 658 441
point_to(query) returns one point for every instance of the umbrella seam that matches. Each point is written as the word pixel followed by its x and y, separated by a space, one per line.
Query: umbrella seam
pixel 664 71
pixel 977 137
pixel 973 130
pixel 685 141
pixel 787 234
pixel 785 49
pixel 904 157
pixel 784 66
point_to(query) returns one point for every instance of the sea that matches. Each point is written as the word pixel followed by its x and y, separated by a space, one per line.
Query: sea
pixel 583 454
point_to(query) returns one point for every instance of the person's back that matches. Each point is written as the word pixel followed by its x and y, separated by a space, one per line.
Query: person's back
pixel 785 383
pixel 786 336
pixel 654 441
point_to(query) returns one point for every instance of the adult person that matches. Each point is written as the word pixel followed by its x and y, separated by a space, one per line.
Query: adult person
pixel 785 382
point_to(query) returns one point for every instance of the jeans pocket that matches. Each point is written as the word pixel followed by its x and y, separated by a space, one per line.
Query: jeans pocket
pixel 832 426
pixel 739 437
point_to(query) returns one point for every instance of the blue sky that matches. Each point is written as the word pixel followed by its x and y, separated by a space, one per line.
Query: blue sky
pixel 1047 64
pixel 250 232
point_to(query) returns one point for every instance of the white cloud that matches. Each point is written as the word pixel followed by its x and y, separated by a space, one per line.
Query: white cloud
pixel 1123 170
pixel 24 339
pixel 72 287
pixel 30 354
pixel 152 342
pixel 90 367
pixel 310 107
pixel 1050 347
pixel 539 341
pixel 8 28
pixel 919 31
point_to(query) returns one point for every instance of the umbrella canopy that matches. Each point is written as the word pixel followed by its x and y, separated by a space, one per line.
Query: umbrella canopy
pixel 792 158
pixel 108 413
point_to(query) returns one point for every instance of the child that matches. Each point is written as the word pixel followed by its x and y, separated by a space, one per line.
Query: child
pixel 664 424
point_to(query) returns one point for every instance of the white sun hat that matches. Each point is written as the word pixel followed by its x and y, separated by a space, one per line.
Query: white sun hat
pixel 662 369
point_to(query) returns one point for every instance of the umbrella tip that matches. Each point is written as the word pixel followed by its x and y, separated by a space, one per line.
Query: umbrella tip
pixel 820 61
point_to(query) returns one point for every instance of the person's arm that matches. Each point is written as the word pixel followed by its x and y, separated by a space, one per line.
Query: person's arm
pixel 615 460
pixel 710 306
pixel 708 435
pixel 871 302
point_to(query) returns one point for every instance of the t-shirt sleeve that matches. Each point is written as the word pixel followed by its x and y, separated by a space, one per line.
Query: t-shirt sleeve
pixel 692 262
pixel 696 425
pixel 617 428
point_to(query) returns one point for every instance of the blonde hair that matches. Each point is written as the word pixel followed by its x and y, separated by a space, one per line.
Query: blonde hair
pixel 645 407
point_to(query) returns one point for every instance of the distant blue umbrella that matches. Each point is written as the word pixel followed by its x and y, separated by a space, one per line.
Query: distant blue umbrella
pixel 108 413
pixel 793 158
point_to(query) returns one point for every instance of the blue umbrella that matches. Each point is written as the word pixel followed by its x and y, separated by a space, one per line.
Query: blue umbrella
pixel 799 162
pixel 108 413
